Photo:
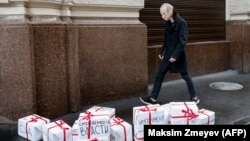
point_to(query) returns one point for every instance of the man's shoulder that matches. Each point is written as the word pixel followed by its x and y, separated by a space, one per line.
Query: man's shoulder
pixel 180 21
pixel 178 17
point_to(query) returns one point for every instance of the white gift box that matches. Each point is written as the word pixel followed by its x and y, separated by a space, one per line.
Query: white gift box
pixel 75 130
pixel 181 113
pixel 76 134
pixel 91 125
pixel 120 130
pixel 166 108
pixel 31 127
pixel 102 110
pixel 146 115
pixel 57 130
pixel 205 117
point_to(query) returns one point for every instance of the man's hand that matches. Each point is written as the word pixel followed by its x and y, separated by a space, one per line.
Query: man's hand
pixel 172 60
pixel 161 57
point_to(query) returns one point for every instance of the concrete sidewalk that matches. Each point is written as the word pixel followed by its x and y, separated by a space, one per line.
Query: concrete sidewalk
pixel 230 107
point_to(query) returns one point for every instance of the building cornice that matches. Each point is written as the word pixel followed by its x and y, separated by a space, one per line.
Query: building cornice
pixel 72 8
pixel 238 10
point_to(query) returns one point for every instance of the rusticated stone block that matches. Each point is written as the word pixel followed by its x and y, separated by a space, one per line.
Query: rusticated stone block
pixel 112 62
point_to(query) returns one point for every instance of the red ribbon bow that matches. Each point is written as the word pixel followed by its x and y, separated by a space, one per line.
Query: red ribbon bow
pixel 119 121
pixel 60 123
pixel 88 117
pixel 33 119
pixel 148 109
pixel 188 113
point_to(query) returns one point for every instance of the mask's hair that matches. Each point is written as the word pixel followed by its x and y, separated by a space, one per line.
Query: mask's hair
pixel 168 7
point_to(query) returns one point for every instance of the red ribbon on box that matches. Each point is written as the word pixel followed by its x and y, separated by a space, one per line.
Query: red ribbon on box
pixel 188 113
pixel 35 118
pixel 119 121
pixel 60 124
pixel 208 117
pixel 148 109
pixel 88 117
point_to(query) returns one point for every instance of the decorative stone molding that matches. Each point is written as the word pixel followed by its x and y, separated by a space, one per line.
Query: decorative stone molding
pixel 65 8
pixel 72 8
pixel 13 8
pixel 238 10
pixel 239 6
pixel 4 1
pixel 119 3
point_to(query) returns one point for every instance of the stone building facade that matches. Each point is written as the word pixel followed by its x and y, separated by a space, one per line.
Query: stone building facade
pixel 58 55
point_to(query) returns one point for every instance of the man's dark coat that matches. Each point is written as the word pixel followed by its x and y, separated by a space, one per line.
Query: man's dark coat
pixel 175 41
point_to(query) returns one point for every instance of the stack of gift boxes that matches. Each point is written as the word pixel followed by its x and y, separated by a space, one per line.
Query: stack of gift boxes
pixel 95 124
pixel 173 113
pixel 102 124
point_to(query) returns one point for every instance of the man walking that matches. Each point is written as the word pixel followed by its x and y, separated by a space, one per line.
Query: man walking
pixel 172 54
